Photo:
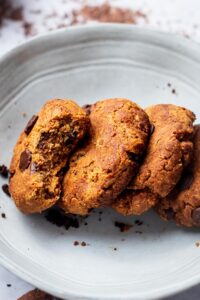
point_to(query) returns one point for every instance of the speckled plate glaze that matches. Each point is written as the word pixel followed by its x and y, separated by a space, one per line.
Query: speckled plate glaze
pixel 87 64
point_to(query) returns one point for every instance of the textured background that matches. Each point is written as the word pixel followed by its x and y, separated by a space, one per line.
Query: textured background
pixel 40 16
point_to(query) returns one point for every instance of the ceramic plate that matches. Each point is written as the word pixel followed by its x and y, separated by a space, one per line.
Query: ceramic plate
pixel 88 64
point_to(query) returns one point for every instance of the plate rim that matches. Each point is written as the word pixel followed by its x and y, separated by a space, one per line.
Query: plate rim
pixel 172 39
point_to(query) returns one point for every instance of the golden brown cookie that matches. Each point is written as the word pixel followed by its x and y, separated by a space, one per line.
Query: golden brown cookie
pixel 169 152
pixel 41 153
pixel 183 203
pixel 102 167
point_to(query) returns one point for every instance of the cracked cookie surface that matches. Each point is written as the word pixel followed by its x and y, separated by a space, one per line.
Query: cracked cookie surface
pixel 41 153
pixel 183 203
pixel 169 152
pixel 104 165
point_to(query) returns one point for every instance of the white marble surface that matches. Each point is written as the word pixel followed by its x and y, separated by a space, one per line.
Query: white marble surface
pixel 180 16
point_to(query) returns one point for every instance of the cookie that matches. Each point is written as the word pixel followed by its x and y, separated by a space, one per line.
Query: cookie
pixel 169 152
pixel 105 164
pixel 37 295
pixel 183 204
pixel 42 152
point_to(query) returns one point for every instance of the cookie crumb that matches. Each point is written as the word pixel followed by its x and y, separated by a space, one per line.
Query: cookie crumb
pixel 115 249
pixel 107 13
pixel 76 243
pixel 138 222
pixel 9 285
pixel 173 91
pixel 197 244
pixel 4 171
pixel 122 226
pixel 83 244
pixel 169 84
pixel 85 223
pixel 3 215
pixel 5 189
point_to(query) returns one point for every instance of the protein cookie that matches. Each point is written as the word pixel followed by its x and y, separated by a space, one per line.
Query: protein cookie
pixel 42 152
pixel 183 204
pixel 103 167
pixel 169 152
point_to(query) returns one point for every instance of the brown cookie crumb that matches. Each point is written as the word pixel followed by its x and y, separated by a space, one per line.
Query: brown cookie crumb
pixel 122 226
pixel 3 215
pixel 76 243
pixel 5 189
pixel 115 249
pixel 83 244
pixel 4 171
pixel 107 13
pixel 197 244
pixel 138 222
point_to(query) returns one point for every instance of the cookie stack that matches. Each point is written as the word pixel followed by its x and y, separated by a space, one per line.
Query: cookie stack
pixel 112 153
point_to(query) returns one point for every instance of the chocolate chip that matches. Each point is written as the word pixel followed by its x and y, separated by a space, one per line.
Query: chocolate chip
pixel 196 215
pixel 185 182
pixel 152 129
pixel 4 171
pixel 170 214
pixel 87 109
pixel 25 160
pixel 5 189
pixel 30 124
pixel 48 194
pixel 45 136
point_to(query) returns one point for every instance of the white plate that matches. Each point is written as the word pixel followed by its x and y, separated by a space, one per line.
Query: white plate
pixel 87 64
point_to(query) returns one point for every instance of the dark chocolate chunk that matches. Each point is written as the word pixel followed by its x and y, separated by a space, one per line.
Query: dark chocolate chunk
pixel 30 124
pixel 5 189
pixel 87 109
pixel 25 160
pixel 48 194
pixel 45 136
pixel 170 214
pixel 4 171
pixel 196 215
